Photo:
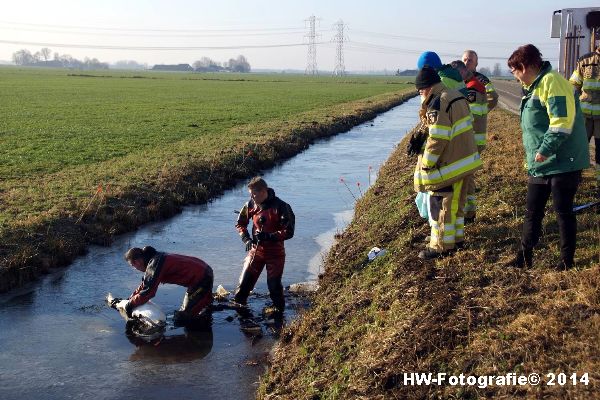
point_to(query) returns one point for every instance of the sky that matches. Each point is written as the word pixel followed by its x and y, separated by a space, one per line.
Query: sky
pixel 378 35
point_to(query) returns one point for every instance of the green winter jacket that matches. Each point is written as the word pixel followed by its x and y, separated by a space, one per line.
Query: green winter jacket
pixel 552 125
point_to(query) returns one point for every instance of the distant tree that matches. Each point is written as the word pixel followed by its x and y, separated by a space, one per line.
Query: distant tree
pixel 129 64
pixel 22 57
pixel 486 71
pixel 205 62
pixel 497 70
pixel 239 64
pixel 45 52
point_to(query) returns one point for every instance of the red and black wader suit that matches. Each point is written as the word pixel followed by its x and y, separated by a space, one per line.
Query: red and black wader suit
pixel 276 219
pixel 187 271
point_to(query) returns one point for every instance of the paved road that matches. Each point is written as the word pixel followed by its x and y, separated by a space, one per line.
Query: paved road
pixel 509 92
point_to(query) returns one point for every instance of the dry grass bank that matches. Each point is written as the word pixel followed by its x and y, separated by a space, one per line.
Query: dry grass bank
pixel 140 188
pixel 467 313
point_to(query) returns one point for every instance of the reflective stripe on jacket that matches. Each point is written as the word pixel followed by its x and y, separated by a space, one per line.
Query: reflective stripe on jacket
pixel 490 90
pixel 450 152
pixel 479 108
pixel 586 78
pixel 553 126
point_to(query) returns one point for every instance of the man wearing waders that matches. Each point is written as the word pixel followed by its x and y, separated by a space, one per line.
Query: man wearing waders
pixel 187 271
pixel 272 222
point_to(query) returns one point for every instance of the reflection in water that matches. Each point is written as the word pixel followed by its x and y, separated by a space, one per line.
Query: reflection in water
pixel 192 344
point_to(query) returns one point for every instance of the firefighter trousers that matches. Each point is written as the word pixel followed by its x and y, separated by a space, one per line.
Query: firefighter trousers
pixel 446 216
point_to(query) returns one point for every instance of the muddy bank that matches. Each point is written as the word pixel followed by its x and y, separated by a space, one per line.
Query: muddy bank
pixel 30 250
pixel 370 323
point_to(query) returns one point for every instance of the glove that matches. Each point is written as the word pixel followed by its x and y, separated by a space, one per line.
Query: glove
pixel 266 237
pixel 248 242
pixel 114 302
pixel 415 143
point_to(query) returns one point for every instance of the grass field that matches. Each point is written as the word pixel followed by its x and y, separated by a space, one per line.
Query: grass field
pixel 64 134
pixel 53 119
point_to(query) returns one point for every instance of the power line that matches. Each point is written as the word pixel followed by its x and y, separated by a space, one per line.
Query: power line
pixel 339 69
pixel 311 63
pixel 88 28
pixel 164 34
pixel 153 48
pixel 441 40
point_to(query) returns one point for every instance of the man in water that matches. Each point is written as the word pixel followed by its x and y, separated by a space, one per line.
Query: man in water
pixel 182 270
pixel 273 222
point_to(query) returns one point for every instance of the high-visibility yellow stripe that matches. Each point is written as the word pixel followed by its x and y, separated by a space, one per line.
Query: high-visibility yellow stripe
pixel 429 159
pixel 589 108
pixel 461 126
pixel 478 108
pixel 440 132
pixel 576 78
pixel 447 172
pixel 591 84
pixel 480 139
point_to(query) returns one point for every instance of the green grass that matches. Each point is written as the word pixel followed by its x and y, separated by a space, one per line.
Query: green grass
pixel 56 119
pixel 152 142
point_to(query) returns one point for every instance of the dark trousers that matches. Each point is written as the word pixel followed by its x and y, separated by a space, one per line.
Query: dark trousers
pixel 563 188
pixel 273 257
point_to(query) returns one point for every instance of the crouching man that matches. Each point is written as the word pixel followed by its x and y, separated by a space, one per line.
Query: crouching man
pixel 182 270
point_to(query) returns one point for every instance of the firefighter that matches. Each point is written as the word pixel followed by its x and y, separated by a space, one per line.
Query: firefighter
pixel 182 270
pixel 449 76
pixel 586 79
pixel 449 155
pixel 471 59
pixel 556 151
pixel 273 221
pixel 476 96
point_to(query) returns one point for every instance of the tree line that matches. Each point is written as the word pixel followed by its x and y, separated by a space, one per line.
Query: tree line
pixel 43 58
pixel 205 64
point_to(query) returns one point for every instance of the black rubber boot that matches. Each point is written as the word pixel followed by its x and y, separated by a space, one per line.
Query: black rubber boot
pixel 276 293
pixel 567 225
pixel 243 290
pixel 523 259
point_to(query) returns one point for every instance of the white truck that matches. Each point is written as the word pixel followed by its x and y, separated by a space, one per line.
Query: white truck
pixel 579 32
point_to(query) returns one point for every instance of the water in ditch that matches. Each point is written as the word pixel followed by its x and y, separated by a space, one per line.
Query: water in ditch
pixel 59 340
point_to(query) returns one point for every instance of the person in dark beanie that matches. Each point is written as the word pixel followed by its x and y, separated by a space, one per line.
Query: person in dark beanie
pixel 449 155
pixel 426 77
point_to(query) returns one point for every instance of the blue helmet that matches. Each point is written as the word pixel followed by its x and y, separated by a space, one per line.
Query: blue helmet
pixel 429 58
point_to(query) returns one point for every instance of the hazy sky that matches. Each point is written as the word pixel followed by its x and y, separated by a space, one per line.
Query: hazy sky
pixel 378 34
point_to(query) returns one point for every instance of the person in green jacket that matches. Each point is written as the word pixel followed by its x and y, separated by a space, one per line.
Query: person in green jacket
pixel 556 151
